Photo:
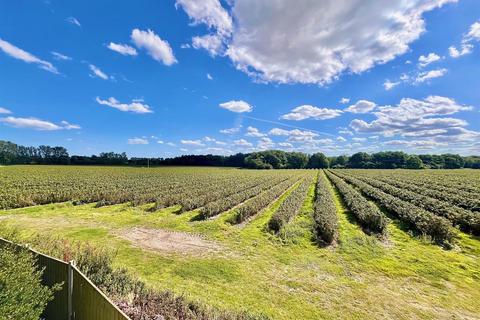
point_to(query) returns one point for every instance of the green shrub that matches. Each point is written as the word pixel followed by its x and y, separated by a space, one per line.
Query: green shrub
pixel 22 296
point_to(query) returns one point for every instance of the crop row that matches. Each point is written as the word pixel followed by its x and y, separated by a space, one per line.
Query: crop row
pixel 256 204
pixel 324 212
pixel 290 207
pixel 467 220
pixel 438 228
pixel 367 213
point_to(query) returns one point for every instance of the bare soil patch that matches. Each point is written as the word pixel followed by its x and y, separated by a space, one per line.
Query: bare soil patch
pixel 169 241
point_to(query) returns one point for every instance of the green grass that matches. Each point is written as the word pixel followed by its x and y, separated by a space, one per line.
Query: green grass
pixel 287 277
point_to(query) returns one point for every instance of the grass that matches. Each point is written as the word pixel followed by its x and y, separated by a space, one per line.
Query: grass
pixel 287 277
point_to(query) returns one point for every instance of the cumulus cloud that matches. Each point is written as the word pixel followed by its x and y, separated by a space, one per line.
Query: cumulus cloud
pixel 210 42
pixel 137 141
pixel 419 118
pixel 238 106
pixel 197 143
pixel 424 61
pixel 134 106
pixel 59 56
pixel 294 132
pixel 341 139
pixel 362 106
pixel 428 75
pixel 25 56
pixel 311 41
pixel 265 144
pixel 464 50
pixel 5 111
pixel 310 112
pixel 242 143
pixel 344 100
pixel 123 49
pixel 96 72
pixel 254 132
pixel 157 48
pixel 73 21
pixel 37 124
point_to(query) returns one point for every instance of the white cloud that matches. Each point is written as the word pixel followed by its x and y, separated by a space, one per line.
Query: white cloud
pixel 310 112
pixel 25 56
pixel 137 141
pixel 362 106
pixel 285 144
pixel 238 106
pixel 254 132
pixel 37 124
pixel 135 107
pixel 345 131
pixel 160 142
pixel 73 21
pixel 242 143
pixel 197 143
pixel 96 72
pixel 341 139
pixel 359 139
pixel 59 56
pixel 294 133
pixel 465 49
pixel 123 49
pixel 389 85
pixel 5 111
pixel 210 42
pixel 171 144
pixel 68 126
pixel 209 77
pixel 424 61
pixel 344 100
pixel 466 46
pixel 428 75
pixel 209 12
pixel 312 41
pixel 209 139
pixel 265 144
pixel 157 48
pixel 420 118
pixel 220 143
pixel 230 130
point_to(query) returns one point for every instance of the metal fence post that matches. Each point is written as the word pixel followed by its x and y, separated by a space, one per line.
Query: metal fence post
pixel 70 289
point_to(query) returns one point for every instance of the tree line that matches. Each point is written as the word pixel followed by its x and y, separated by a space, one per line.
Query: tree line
pixel 11 153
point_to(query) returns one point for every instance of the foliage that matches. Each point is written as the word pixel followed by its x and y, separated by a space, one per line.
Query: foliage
pixel 318 161
pixel 367 214
pixel 290 207
pixel 325 212
pixel 22 296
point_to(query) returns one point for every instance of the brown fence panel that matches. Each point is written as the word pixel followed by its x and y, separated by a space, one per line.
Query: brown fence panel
pixel 89 303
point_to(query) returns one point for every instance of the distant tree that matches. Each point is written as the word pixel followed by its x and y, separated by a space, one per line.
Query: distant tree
pixel 389 159
pixel 453 161
pixel 360 160
pixel 414 162
pixel 318 161
pixel 296 160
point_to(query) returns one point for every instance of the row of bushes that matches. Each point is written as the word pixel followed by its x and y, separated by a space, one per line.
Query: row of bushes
pixel 438 228
pixel 261 201
pixel 367 214
pixel 324 212
pixel 290 207
pixel 466 220
pixel 224 204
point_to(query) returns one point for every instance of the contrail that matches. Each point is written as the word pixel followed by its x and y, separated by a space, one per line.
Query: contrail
pixel 289 126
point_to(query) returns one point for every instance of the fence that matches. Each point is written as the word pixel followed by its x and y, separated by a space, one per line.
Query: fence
pixel 79 298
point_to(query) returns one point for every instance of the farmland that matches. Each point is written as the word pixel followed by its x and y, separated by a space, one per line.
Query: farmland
pixel 303 244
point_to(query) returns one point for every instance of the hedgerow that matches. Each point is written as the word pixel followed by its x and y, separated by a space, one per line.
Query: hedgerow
pixel 367 214
pixel 438 228
pixel 324 212
pixel 290 207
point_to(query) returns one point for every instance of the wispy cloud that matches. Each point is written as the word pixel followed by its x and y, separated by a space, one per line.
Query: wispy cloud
pixel 123 49
pixel 73 21
pixel 5 111
pixel 157 48
pixel 137 141
pixel 59 56
pixel 25 56
pixel 37 124
pixel 96 72
pixel 135 107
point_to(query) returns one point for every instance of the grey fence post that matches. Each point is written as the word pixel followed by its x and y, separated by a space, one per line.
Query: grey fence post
pixel 70 289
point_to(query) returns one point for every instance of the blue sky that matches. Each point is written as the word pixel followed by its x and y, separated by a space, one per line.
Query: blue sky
pixel 163 78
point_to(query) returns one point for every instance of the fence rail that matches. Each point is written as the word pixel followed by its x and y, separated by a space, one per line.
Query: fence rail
pixel 79 298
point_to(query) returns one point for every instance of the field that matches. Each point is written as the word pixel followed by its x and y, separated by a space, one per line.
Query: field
pixel 289 244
